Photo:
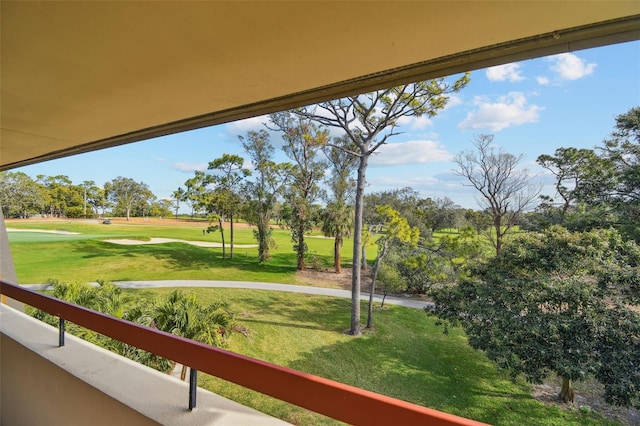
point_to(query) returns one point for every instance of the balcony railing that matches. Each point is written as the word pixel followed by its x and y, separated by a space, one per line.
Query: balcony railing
pixel 342 402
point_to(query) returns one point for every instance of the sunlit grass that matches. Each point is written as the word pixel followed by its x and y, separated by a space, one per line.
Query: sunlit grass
pixel 406 356
pixel 87 257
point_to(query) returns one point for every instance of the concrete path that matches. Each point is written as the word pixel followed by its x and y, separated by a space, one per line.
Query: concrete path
pixel 400 301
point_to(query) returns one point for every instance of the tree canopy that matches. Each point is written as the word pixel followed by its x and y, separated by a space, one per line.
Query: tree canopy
pixel 556 302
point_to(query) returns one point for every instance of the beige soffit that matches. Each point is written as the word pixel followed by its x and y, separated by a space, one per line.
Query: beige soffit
pixel 80 76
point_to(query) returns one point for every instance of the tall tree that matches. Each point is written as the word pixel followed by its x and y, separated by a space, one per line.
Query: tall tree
pixel 127 194
pixel 196 188
pixel 262 192
pixel 369 120
pixel 179 195
pixel 63 195
pixel 622 149
pixel 90 193
pixel 20 195
pixel 579 174
pixel 396 230
pixel 303 142
pixel 227 178
pixel 337 218
pixel 506 191
pixel 550 303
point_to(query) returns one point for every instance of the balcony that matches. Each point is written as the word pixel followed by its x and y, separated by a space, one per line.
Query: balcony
pixel 79 383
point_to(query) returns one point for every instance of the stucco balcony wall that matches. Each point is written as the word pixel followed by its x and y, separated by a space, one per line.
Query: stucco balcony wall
pixel 80 384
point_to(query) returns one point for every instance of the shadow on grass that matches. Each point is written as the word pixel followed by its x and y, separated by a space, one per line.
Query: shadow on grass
pixel 292 310
pixel 425 367
pixel 184 257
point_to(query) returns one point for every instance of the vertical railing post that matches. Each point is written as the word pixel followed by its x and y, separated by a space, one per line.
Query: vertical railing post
pixel 61 332
pixel 193 386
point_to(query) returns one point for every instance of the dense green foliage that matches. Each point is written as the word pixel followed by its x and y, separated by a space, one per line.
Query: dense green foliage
pixel 177 314
pixel 599 188
pixel 556 302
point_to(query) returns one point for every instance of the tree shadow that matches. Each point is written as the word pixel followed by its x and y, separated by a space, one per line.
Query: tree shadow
pixel 294 310
pixel 427 368
pixel 185 257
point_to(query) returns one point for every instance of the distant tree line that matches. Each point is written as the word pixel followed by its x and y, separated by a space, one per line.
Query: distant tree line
pixel 57 196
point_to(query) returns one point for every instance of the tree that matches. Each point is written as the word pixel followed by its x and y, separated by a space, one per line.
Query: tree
pixel 184 316
pixel 20 195
pixel 262 192
pixel 62 195
pixel 179 195
pixel 196 187
pixel 622 149
pixel 127 194
pixel 506 191
pixel 337 222
pixel 579 174
pixel 161 208
pixel 549 303
pixel 91 195
pixel 337 217
pixel 396 231
pixel 303 142
pixel 227 180
pixel 438 213
pixel 369 120
pixel 479 220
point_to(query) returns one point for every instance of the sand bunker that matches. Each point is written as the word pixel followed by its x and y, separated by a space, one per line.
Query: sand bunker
pixel 128 242
pixel 46 231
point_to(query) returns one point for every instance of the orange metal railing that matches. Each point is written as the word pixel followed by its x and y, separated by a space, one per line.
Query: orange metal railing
pixel 337 400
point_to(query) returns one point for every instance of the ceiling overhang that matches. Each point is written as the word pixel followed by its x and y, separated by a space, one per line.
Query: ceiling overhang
pixel 81 76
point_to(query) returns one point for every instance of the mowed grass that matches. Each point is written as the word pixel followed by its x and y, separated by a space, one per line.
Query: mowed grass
pixel 87 257
pixel 406 357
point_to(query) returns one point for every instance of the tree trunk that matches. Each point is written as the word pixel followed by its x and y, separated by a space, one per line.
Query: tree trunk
pixel 355 329
pixel 497 225
pixel 374 275
pixel 231 236
pixel 567 392
pixel 337 244
pixel 300 243
pixel 364 265
pixel 224 248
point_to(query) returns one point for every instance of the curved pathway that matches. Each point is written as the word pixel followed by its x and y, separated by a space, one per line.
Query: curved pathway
pixel 128 242
pixel 322 291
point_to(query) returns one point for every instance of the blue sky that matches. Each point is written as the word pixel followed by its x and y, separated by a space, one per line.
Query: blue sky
pixel 531 107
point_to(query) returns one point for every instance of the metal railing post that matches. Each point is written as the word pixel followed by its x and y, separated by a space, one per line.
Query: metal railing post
pixel 60 332
pixel 193 386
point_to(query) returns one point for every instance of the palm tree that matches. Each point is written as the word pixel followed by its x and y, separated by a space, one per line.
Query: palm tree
pixel 337 223
pixel 184 316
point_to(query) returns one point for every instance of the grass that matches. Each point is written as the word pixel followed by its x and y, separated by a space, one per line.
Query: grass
pixel 407 356
pixel 87 257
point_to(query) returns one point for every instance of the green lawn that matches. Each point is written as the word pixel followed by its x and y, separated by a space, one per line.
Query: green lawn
pixel 87 257
pixel 407 356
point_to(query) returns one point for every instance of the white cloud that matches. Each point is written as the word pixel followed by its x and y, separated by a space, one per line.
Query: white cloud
pixel 506 72
pixel 411 152
pixel 414 123
pixel 509 110
pixel 241 127
pixel 570 67
pixel 190 167
pixel 542 80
